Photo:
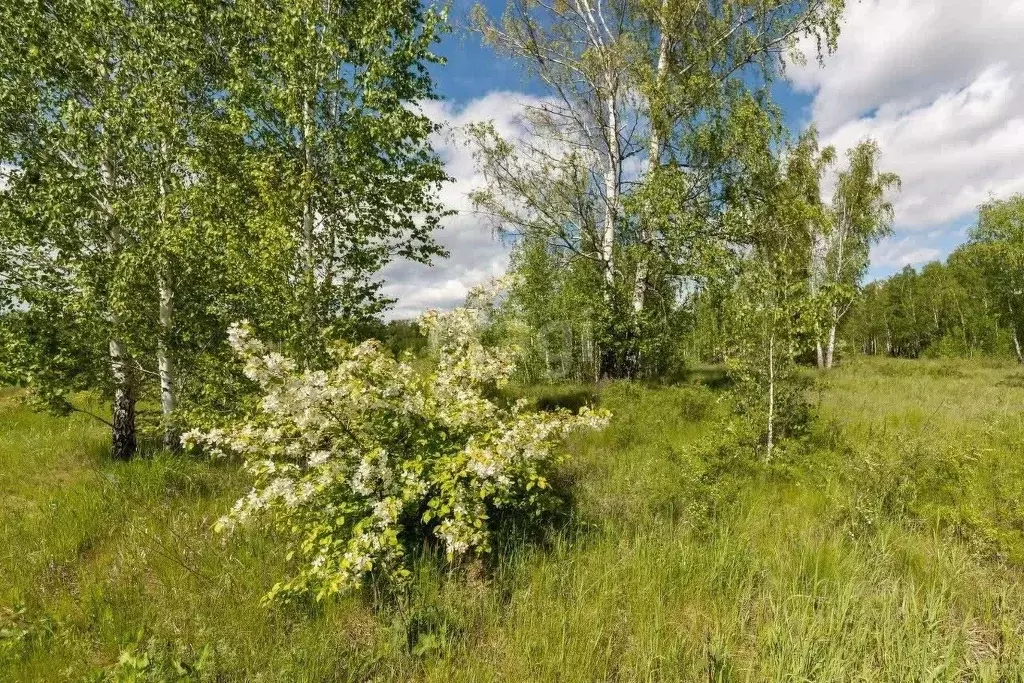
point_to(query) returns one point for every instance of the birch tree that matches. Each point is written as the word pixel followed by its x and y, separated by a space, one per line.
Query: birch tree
pixel 114 114
pixel 177 76
pixel 710 116
pixel 771 309
pixel 651 106
pixel 67 231
pixel 325 92
pixel 861 216
pixel 957 308
pixel 999 237
pixel 159 181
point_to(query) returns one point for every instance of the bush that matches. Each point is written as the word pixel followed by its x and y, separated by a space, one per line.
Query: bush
pixel 355 463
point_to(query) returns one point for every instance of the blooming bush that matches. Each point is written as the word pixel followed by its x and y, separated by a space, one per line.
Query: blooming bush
pixel 353 463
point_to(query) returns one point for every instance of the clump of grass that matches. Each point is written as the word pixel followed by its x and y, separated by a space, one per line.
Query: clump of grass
pixel 884 546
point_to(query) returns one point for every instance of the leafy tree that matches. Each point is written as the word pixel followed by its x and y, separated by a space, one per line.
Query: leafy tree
pixel 861 215
pixel 96 106
pixel 999 237
pixel 171 166
pixel 655 113
pixel 772 307
pixel 324 93
pixel 548 313
pixel 945 309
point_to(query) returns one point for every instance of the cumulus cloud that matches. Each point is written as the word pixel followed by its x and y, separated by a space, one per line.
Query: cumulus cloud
pixel 940 85
pixel 902 252
pixel 903 54
pixel 477 255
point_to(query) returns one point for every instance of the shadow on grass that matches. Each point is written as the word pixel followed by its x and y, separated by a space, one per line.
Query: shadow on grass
pixel 1014 381
pixel 567 398
pixel 551 397
pixel 712 377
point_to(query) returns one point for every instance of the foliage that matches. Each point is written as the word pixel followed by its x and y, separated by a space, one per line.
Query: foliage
pixel 967 306
pixel 999 240
pixel 167 167
pixel 550 315
pixel 338 155
pixel 357 462
pixel 861 214
pixel 657 120
pixel 772 309
pixel 772 313
pixel 151 661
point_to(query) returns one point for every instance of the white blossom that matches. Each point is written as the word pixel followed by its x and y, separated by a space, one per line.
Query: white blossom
pixel 342 459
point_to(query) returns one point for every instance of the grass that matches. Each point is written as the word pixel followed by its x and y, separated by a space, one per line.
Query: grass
pixel 888 545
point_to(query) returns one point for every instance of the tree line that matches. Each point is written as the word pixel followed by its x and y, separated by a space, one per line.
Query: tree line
pixel 970 305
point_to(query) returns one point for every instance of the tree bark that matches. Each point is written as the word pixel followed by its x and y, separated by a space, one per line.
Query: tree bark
pixel 821 354
pixel 164 354
pixel 830 350
pixel 611 186
pixel 123 443
pixel 653 161
pixel 123 440
pixel 1013 333
pixel 309 252
pixel 165 364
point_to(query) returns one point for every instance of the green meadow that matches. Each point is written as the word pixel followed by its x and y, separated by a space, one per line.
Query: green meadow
pixel 885 544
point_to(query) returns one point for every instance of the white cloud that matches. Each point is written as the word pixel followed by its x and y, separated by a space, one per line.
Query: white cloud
pixel 903 54
pixel 476 253
pixel 896 253
pixel 953 152
pixel 940 85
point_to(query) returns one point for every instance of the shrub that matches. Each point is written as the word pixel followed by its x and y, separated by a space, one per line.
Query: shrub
pixel 354 463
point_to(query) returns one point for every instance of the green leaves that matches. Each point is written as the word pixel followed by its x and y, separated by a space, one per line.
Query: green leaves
pixel 645 163
pixel 170 166
pixel 999 240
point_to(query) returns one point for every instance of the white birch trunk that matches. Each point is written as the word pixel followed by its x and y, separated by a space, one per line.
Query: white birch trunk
pixel 653 161
pixel 166 369
pixel 164 357
pixel 309 252
pixel 835 313
pixel 123 439
pixel 611 186
pixel 830 350
pixel 123 443
pixel 1013 334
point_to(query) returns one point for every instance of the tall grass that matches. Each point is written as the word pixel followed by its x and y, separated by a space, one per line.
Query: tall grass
pixel 887 546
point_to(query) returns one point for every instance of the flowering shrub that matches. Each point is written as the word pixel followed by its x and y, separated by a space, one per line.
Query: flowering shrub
pixel 354 462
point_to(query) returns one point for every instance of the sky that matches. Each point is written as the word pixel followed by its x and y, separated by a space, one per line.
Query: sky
pixel 939 84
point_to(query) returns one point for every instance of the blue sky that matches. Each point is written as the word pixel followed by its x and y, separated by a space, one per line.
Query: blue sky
pixel 473 69
pixel 938 83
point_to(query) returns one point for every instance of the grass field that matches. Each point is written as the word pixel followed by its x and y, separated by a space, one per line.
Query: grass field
pixel 888 545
